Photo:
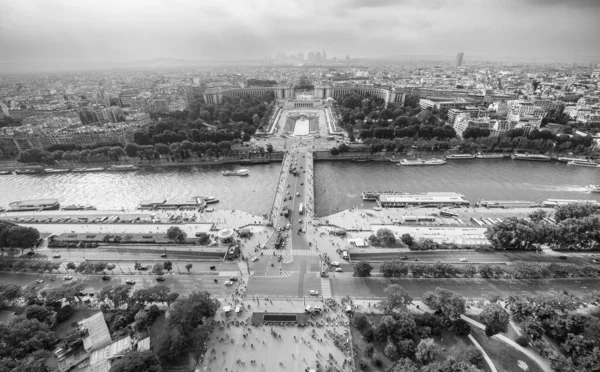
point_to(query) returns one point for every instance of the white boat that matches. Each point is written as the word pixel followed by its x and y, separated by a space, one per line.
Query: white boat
pixel 532 157
pixel 239 172
pixel 584 163
pixel 210 199
pixel 121 168
pixel 594 188
pixel 496 155
pixel 567 159
pixel 460 156
pixel 5 173
pixel 34 205
pixel 81 170
pixel 57 170
pixel 422 162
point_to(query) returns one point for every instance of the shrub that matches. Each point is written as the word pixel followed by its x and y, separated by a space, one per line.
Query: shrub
pixel 461 327
pixel 522 340
pixel 473 356
pixel 64 313
pixel 359 321
pixel 370 335
pixel 377 362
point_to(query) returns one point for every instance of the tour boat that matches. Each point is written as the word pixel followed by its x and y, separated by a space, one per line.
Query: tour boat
pixel 460 156
pixel 5 173
pixel 567 159
pixel 34 205
pixel 81 170
pixel 584 163
pixel 121 168
pixel 594 188
pixel 491 156
pixel 239 172
pixel 422 162
pixel 533 157
pixel 28 171
pixel 210 199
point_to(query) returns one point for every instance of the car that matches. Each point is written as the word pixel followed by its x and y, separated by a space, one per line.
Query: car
pixel 106 277
pixel 254 259
pixel 213 267
pixel 297 194
pixel 335 263
pixel 68 277
pixel 160 278
pixel 39 281
pixel 30 253
pixel 56 256
pixel 562 257
pixel 143 268
pixel 130 282
pixel 404 257
pixel 300 220
pixel 233 278
pixel 463 260
pixel 338 269
pixel 313 292
pixel 228 283
pixel 164 255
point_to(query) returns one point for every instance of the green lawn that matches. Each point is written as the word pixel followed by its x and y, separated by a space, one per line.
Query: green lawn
pixel 504 357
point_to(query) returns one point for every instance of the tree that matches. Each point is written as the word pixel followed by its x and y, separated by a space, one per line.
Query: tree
pixel 538 215
pixel 188 267
pixel 40 313
pixel 135 361
pixel 390 350
pixel 461 327
pixel 396 299
pixel 386 237
pixel 21 336
pixel 408 239
pixel 22 237
pixel 110 267
pixel 131 149
pixel 9 292
pixel 175 234
pixel 369 351
pixel 574 210
pixel 363 269
pixel 158 268
pixel 472 355
pixel 495 319
pixel 188 312
pixel 443 301
pixel 359 320
pixel 170 345
pixel 425 351
pixel 269 148
pixel 404 365
pixel 168 265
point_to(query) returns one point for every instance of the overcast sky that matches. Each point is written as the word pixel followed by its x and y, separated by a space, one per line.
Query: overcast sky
pixel 128 30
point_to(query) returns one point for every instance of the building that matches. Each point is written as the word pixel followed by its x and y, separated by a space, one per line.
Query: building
pixel 459 59
pixel 428 103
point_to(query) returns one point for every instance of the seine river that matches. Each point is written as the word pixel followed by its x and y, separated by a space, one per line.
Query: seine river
pixel 338 184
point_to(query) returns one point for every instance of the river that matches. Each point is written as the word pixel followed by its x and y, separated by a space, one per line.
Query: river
pixel 117 190
pixel 337 184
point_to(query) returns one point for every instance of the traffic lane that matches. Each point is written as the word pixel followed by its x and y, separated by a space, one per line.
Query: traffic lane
pixel 374 287
pixel 128 267
pixel 106 256
pixel 182 284
pixel 294 286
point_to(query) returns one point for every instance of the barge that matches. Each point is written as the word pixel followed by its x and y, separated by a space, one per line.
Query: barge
pixel 506 204
pixel 556 202
pixel 428 199
pixel 422 162
pixel 239 172
pixel 460 156
pixel 34 205
pixel 531 157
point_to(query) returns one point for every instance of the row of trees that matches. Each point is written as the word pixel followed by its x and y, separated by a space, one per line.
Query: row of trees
pixel 15 236
pixel 577 228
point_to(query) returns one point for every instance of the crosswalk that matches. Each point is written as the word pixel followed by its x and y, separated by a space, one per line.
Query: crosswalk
pixel 304 252
pixel 285 274
pixel 325 288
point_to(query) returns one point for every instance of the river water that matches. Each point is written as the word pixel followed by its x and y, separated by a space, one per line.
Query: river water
pixel 337 184
pixel 117 190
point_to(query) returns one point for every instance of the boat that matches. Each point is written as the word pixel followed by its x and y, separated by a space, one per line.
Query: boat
pixel 81 170
pixel 239 172
pixel 556 202
pixel 210 199
pixel 496 155
pixel 460 156
pixel 57 170
pixel 584 163
pixel 123 168
pixel 594 188
pixel 567 159
pixel 34 205
pixel 422 162
pixel 5 173
pixel 28 171
pixel 360 160
pixel 369 195
pixel 74 207
pixel 532 157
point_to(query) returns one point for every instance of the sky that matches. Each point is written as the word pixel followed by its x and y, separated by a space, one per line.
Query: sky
pixel 47 31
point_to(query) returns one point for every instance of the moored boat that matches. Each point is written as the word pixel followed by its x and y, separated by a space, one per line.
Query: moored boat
pixel 496 155
pixel 210 199
pixel 74 207
pixel 422 162
pixel 532 157
pixel 567 159
pixel 57 170
pixel 5 173
pixel 594 188
pixel 584 163
pixel 123 168
pixel 81 170
pixel 239 172
pixel 28 171
pixel 460 156
pixel 34 205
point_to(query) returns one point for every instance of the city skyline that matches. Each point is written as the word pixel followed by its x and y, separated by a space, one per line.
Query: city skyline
pixel 36 33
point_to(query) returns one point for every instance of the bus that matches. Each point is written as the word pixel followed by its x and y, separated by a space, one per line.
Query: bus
pixel 448 214
pixel 301 208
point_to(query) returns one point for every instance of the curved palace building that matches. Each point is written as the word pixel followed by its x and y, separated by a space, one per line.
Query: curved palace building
pixel 215 95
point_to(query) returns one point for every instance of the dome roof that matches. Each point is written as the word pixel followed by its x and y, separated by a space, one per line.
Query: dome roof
pixel 329 99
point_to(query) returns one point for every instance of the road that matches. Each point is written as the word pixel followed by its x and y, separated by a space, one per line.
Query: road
pixel 367 288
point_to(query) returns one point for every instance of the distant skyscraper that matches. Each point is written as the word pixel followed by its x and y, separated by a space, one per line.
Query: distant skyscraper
pixel 347 57
pixel 324 55
pixel 311 56
pixel 318 56
pixel 459 58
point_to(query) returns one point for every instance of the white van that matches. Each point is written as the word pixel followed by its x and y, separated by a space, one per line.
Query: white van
pixel 345 255
pixel 308 309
